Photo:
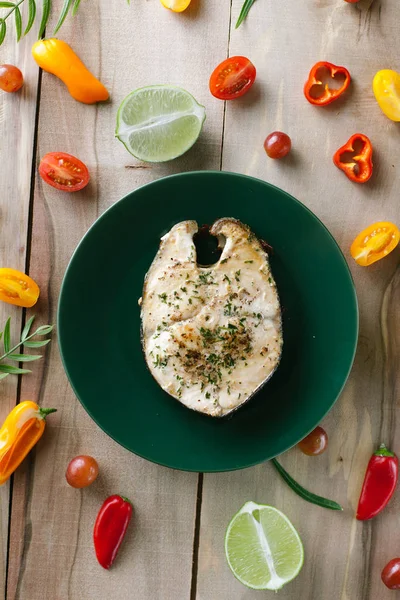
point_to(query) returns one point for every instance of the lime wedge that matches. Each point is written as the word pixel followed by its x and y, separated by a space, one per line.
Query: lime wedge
pixel 159 122
pixel 263 548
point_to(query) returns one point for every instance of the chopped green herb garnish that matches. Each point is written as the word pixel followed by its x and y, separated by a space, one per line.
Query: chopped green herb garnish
pixel 163 297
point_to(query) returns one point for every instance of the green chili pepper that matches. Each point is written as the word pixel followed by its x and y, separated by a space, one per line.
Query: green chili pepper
pixel 302 492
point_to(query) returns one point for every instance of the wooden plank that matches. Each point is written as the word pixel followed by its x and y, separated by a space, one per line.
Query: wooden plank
pixel 17 122
pixel 342 555
pixel 51 531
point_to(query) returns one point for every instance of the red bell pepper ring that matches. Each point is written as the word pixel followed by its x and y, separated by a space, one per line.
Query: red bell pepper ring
pixel 359 168
pixel 110 528
pixel 379 483
pixel 328 94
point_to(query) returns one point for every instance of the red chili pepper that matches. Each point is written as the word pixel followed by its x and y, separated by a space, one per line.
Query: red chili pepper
pixel 314 82
pixel 358 167
pixel 110 528
pixel 379 483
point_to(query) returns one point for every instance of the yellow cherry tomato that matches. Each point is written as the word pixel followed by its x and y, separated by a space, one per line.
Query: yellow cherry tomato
pixel 18 288
pixel 386 86
pixel 374 243
pixel 176 5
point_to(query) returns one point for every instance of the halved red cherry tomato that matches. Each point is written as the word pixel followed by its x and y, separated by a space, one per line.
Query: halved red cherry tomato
pixel 232 78
pixel 64 171
pixel 17 288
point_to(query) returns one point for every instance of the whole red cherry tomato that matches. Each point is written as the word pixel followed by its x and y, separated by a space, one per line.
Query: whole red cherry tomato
pixel 315 443
pixel 232 78
pixel 82 471
pixel 277 144
pixel 11 78
pixel 391 574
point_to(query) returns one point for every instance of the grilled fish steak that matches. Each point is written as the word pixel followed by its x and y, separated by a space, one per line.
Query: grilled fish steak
pixel 212 336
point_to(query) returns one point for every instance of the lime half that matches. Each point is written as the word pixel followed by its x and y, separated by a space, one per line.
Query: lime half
pixel 263 548
pixel 159 122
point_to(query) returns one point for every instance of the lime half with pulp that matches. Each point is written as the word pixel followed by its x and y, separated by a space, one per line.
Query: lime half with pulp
pixel 263 548
pixel 159 122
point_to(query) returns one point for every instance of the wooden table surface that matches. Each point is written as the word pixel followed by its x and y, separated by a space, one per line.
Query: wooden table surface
pixel 174 550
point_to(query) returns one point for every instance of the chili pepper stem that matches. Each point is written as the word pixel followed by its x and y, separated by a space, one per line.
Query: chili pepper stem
pixel 383 451
pixel 43 412
pixel 125 499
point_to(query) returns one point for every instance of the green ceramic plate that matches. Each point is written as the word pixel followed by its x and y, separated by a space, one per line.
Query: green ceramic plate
pixel 99 306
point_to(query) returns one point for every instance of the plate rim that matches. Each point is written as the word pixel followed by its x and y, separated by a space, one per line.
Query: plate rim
pixel 125 198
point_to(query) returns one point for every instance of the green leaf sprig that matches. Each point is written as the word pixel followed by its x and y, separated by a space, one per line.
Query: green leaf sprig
pixel 14 9
pixel 244 12
pixel 26 341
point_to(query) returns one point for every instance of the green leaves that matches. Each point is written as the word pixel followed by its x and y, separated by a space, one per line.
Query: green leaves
pixel 6 336
pixel 14 370
pixel 26 341
pixel 27 328
pixel 63 15
pixel 13 8
pixel 31 16
pixel 36 344
pixel 3 30
pixel 244 12
pixel 45 17
pixel 18 22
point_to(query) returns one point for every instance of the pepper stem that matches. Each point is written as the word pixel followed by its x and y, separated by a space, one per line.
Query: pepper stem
pixel 125 499
pixel 43 412
pixel 383 451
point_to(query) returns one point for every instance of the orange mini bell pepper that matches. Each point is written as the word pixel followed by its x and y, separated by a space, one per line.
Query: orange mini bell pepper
pixel 375 242
pixel 17 288
pixel 21 430
pixel 58 58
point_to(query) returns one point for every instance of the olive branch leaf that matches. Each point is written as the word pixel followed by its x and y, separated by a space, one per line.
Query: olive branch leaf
pixel 69 7
pixel 244 12
pixel 27 342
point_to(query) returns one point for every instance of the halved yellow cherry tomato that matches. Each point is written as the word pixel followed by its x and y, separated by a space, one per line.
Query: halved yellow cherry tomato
pixel 386 86
pixel 176 5
pixel 18 288
pixel 374 243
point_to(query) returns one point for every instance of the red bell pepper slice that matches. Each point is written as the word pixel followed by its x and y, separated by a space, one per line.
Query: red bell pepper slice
pixel 329 94
pixel 358 168
pixel 379 483
pixel 110 528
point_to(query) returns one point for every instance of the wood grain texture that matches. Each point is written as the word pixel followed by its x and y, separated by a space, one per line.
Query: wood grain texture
pixel 51 552
pixel 344 558
pixel 17 123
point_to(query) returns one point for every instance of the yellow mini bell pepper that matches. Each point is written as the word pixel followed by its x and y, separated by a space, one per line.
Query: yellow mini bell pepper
pixel 21 430
pixel 176 5
pixel 58 58
pixel 386 86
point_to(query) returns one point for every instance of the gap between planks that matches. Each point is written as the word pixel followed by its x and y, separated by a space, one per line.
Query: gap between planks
pixel 23 320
